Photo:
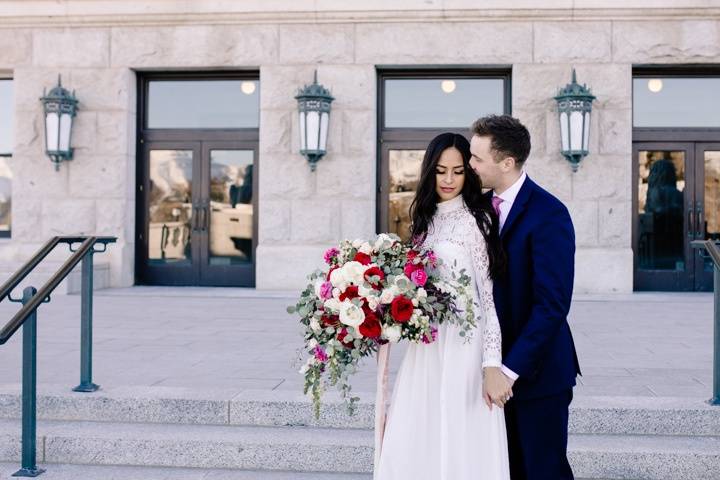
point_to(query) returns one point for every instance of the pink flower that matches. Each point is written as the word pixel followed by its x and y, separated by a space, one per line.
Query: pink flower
pixel 411 267
pixel 433 336
pixel 326 290
pixel 320 354
pixel 419 277
pixel 432 258
pixel 330 254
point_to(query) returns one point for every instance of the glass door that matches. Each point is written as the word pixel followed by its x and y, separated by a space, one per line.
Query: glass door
pixel 665 216
pixel 707 209
pixel 170 231
pixel 228 232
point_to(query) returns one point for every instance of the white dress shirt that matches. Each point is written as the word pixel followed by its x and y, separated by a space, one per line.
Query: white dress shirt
pixel 508 197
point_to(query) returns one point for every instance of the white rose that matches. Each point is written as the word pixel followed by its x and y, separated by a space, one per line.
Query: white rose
pixel 365 292
pixel 337 278
pixel 387 296
pixel 332 304
pixel 366 248
pixel 315 327
pixel 421 293
pixel 373 302
pixel 357 243
pixel 312 343
pixel 381 239
pixel 391 333
pixel 354 272
pixel 336 292
pixel 351 315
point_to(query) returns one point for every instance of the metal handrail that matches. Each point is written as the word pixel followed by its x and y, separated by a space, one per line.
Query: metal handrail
pixel 29 266
pixel 16 322
pixel 713 251
pixel 27 318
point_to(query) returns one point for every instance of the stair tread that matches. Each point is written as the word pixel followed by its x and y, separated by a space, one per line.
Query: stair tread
pixel 112 472
pixel 313 436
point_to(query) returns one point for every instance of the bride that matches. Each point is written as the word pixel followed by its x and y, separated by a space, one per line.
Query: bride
pixel 442 423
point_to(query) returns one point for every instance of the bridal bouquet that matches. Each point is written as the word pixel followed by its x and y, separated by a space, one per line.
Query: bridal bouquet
pixel 371 293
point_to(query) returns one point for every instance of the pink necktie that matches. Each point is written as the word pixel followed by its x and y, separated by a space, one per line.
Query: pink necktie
pixel 496 201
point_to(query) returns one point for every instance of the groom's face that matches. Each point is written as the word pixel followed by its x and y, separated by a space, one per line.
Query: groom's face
pixel 483 162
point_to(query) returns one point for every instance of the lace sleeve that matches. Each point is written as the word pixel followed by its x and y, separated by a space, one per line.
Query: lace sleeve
pixel 492 338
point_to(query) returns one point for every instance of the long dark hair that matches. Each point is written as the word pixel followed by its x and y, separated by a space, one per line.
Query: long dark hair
pixel 425 202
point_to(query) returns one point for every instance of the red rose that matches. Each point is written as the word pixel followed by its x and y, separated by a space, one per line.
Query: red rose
pixel 363 258
pixel 401 309
pixel 371 326
pixel 330 320
pixel 411 255
pixel 349 293
pixel 374 272
pixel 341 337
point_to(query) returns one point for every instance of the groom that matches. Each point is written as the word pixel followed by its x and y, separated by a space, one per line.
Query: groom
pixel 532 301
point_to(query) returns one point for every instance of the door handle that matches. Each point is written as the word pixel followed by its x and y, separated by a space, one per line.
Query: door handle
pixel 194 218
pixel 700 224
pixel 691 222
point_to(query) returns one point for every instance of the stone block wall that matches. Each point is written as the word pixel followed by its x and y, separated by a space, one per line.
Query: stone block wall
pixel 302 212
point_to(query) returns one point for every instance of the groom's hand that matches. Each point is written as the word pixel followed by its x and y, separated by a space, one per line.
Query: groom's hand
pixel 497 387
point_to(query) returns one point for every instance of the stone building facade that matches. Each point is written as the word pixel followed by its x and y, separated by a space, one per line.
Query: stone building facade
pixel 101 47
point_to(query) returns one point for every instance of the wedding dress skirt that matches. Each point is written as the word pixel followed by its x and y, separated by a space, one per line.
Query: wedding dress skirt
pixel 438 425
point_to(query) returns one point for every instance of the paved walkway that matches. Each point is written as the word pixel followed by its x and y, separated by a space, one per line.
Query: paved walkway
pixel 644 344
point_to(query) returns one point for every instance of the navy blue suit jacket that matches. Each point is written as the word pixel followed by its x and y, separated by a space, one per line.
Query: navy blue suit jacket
pixel 533 299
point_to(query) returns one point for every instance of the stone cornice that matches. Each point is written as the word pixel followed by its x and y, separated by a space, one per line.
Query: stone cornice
pixel 110 13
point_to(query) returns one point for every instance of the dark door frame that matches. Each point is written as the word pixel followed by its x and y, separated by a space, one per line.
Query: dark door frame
pixel 247 138
pixel 418 138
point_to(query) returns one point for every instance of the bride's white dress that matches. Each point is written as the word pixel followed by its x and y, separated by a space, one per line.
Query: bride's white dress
pixel 438 425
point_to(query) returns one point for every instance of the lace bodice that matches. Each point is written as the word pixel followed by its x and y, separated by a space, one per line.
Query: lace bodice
pixel 453 224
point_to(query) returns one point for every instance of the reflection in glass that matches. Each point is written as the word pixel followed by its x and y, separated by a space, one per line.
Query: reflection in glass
pixel 712 200
pixel 660 210
pixel 441 103
pixel 676 102
pixel 170 206
pixel 404 178
pixel 203 104
pixel 6 116
pixel 231 206
pixel 5 195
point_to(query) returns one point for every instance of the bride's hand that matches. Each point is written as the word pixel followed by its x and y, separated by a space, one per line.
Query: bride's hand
pixel 497 388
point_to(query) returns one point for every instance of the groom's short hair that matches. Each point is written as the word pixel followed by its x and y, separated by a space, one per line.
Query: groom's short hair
pixel 509 137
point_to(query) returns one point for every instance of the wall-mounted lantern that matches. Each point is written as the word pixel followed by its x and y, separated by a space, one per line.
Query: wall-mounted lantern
pixel 314 119
pixel 574 107
pixel 60 109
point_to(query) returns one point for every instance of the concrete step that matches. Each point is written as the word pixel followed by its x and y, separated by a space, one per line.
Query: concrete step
pixel 305 449
pixel 96 472
pixel 601 415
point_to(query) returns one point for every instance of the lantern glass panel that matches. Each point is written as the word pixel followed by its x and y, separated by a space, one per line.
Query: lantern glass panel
pixel 303 131
pixel 586 132
pixel 65 126
pixel 576 130
pixel 324 119
pixel 52 131
pixel 313 127
pixel 564 131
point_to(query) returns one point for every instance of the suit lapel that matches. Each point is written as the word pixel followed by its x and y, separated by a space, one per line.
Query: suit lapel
pixel 518 206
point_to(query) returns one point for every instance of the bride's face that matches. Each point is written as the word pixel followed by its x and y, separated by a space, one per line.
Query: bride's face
pixel 449 174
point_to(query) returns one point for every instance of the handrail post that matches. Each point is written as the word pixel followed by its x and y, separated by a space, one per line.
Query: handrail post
pixel 86 314
pixel 715 400
pixel 29 393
